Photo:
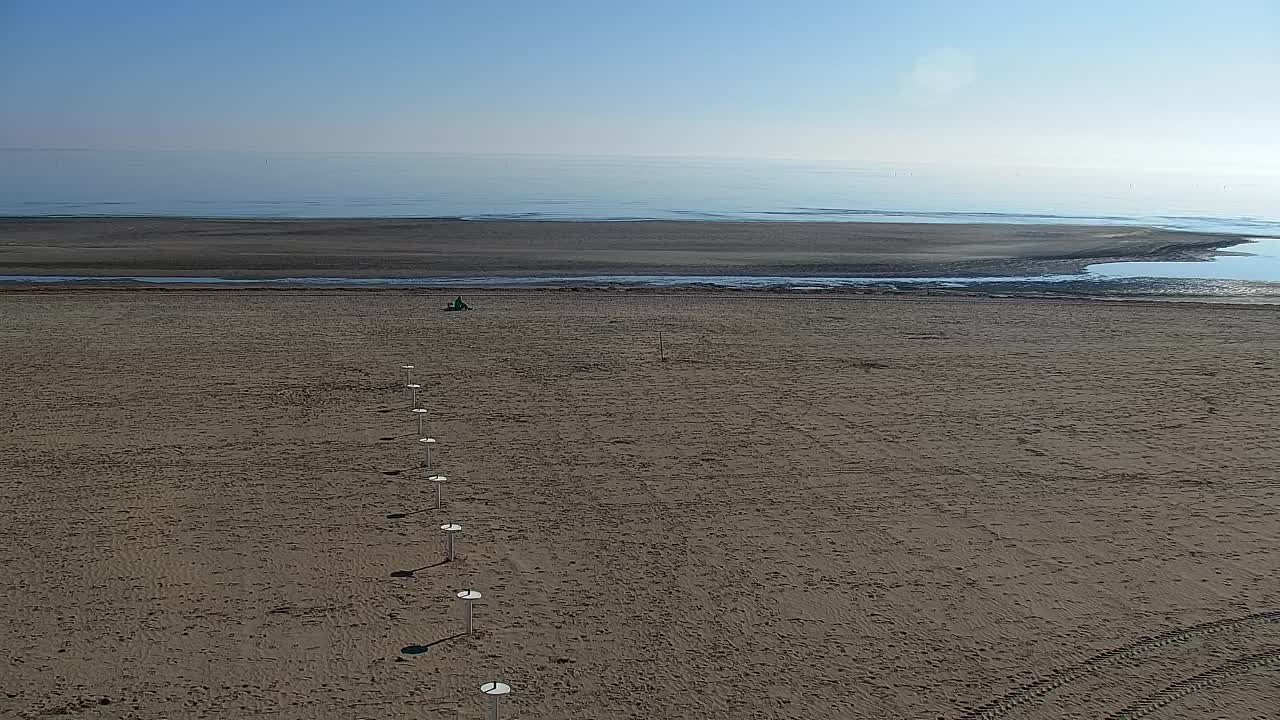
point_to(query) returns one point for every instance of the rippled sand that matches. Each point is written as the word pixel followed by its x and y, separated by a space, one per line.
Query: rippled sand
pixel 427 248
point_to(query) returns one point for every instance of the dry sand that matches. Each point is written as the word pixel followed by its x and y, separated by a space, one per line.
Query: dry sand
pixel 816 508
pixel 422 248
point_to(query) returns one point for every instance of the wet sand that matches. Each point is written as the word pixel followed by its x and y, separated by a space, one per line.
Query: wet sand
pixel 814 508
pixel 426 248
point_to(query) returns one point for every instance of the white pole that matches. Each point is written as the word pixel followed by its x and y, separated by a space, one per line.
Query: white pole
pixel 449 530
pixel 468 598
pixel 414 387
pixel 438 482
pixel 408 374
pixel 495 690
pixel 428 441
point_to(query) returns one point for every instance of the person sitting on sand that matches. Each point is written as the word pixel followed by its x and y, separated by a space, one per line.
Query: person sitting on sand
pixel 457 304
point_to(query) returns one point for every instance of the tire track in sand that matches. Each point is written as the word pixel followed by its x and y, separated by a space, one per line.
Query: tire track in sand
pixel 1182 688
pixel 1006 703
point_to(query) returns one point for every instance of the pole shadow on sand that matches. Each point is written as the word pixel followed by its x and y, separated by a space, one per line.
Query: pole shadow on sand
pixel 410 573
pixel 403 515
pixel 422 649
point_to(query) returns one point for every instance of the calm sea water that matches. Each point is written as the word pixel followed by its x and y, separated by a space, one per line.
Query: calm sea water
pixel 303 185
pixel 67 182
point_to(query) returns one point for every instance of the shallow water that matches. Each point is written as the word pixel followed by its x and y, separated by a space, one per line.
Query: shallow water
pixel 1257 261
pixel 1252 268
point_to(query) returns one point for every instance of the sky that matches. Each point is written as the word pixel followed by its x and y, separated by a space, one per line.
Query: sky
pixel 1171 84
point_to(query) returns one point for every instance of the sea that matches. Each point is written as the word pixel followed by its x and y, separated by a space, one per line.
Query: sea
pixel 97 183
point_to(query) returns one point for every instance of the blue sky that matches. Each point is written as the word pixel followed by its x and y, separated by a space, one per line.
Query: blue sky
pixel 1170 85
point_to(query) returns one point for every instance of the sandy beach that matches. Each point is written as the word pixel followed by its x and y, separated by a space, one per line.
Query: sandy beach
pixel 363 248
pixel 814 508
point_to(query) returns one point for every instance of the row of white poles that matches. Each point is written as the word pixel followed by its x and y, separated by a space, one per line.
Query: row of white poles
pixel 494 691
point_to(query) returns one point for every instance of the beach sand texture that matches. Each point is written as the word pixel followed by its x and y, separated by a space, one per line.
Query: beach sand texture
pixel 815 508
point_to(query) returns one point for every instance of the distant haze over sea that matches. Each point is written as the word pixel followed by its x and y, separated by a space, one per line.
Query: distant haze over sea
pixel 320 185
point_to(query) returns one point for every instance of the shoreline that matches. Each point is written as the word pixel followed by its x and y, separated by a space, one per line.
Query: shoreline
pixel 397 248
